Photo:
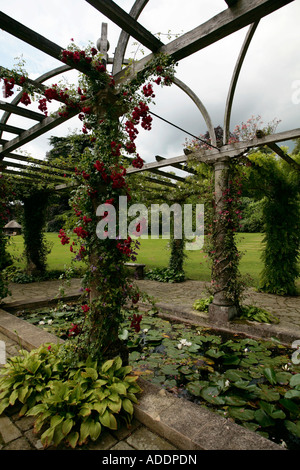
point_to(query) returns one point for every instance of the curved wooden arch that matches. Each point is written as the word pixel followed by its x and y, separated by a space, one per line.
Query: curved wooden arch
pixel 234 80
pixel 52 73
pixel 135 12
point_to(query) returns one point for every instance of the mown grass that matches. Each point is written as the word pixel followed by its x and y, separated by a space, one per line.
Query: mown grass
pixel 155 253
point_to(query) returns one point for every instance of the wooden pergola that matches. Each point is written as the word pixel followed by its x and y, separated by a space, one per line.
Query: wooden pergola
pixel 238 15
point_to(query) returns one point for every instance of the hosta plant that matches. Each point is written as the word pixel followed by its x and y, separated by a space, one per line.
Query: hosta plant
pixel 71 404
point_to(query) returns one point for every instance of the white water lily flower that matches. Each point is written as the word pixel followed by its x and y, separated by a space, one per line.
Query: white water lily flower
pixel 50 322
pixel 145 330
pixel 41 322
pixel 184 342
pixel 227 383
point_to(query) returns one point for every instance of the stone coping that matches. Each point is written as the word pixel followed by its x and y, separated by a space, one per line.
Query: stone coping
pixel 184 424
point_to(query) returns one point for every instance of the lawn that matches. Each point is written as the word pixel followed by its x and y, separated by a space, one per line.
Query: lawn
pixel 155 253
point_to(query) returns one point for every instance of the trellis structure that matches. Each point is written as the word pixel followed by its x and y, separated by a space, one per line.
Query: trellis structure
pixel 239 14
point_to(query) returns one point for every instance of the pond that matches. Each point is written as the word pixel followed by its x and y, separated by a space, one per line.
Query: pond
pixel 254 383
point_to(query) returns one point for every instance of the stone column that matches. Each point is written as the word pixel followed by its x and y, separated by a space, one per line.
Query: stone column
pixel 222 308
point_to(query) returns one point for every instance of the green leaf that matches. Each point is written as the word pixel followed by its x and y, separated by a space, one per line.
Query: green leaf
pixel 263 418
pixel 119 388
pixel 210 394
pixel 242 414
pixel 47 437
pixel 294 428
pixel 67 426
pixel 115 406
pixel 128 406
pixel 105 419
pixel 55 420
pixel 72 439
pixel 272 411
pixel 292 394
pixel 95 430
pixel 107 365
pixel 195 387
pixel 234 401
pixel 295 380
pixel 268 394
pixel 84 431
pixel 269 373
pixel 290 406
pixel 13 397
pixel 90 372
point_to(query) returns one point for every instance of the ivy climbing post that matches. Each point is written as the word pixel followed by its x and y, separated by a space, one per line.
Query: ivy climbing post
pixel 223 250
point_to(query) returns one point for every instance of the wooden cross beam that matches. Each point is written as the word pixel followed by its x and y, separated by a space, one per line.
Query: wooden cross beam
pixel 127 23
pixel 13 109
pixel 218 27
pixel 231 151
pixel 231 3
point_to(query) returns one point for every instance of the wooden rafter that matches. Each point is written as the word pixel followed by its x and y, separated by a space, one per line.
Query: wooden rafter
pixel 127 23
pixel 47 171
pixel 27 113
pixel 11 129
pixel 220 26
pixel 36 161
pixel 27 136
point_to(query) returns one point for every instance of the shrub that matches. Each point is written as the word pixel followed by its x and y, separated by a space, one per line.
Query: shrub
pixel 165 275
pixel 72 403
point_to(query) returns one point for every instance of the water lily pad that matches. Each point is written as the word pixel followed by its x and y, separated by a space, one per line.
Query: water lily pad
pixel 291 406
pixel 295 380
pixel 294 428
pixel 210 394
pixel 266 393
pixel 269 373
pixel 195 387
pixel 263 418
pixel 241 414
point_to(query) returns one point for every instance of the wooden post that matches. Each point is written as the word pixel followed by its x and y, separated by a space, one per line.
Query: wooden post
pixel 222 308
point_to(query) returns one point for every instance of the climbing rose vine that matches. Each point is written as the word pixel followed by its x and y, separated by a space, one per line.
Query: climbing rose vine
pixel 100 177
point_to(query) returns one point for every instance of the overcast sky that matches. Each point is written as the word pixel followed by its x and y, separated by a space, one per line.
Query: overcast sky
pixel 265 87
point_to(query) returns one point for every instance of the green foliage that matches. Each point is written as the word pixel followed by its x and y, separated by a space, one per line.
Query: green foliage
pixel 33 224
pixel 252 211
pixel 252 313
pixel 202 305
pixel 165 275
pixel 72 403
pixel 278 182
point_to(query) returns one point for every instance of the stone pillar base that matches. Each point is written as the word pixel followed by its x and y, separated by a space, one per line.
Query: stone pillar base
pixel 222 314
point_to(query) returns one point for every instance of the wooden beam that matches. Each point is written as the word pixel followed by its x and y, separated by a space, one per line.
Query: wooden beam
pixel 27 136
pixel 119 56
pixel 168 175
pixel 234 80
pixel 11 129
pixel 211 156
pixel 231 3
pixel 281 153
pixel 127 23
pixel 220 26
pixel 37 161
pixel 27 113
pixel 46 171
pixel 183 167
pixel 163 183
pixel 36 40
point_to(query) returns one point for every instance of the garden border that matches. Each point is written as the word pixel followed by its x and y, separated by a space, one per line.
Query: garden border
pixel 182 423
